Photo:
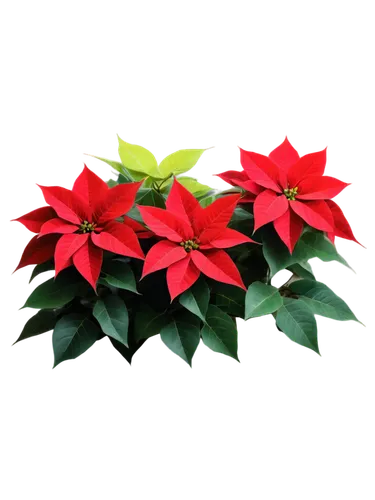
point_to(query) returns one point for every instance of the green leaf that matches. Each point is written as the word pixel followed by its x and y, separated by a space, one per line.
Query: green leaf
pixel 112 315
pixel 311 244
pixel 111 183
pixel 119 167
pixel 220 332
pixel 72 336
pixel 58 292
pixel 165 186
pixel 136 176
pixel 179 162
pixel 297 321
pixel 302 270
pixel 118 274
pixel 195 187
pixel 275 252
pixel 135 214
pixel 102 281
pixel 251 264
pixel 149 181
pixel 42 268
pixel 150 198
pixel 196 299
pixel 148 322
pixel 261 299
pixel 121 180
pixel 204 202
pixel 245 227
pixel 131 177
pixel 240 215
pixel 212 192
pixel 118 258
pixel 316 244
pixel 126 352
pixel 322 300
pixel 43 321
pixel 182 335
pixel 229 299
pixel 138 159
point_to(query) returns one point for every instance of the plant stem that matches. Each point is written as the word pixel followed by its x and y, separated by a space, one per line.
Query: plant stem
pixel 165 180
pixel 156 187
pixel 232 190
pixel 269 280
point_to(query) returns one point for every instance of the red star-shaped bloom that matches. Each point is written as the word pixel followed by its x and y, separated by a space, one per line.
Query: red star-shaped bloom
pixel 79 224
pixel 193 240
pixel 289 191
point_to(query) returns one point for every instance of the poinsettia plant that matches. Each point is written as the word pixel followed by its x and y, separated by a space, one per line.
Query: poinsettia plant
pixel 156 252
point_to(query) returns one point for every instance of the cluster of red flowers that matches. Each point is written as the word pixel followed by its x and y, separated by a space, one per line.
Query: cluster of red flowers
pixel 289 191
pixel 79 225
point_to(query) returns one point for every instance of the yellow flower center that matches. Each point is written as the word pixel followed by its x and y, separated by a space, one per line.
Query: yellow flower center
pixel 87 227
pixel 190 245
pixel 291 193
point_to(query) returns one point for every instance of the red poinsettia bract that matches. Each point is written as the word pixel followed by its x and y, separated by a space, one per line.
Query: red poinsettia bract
pixel 79 224
pixel 194 240
pixel 289 191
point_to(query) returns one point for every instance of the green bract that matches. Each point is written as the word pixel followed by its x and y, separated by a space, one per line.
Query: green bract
pixel 194 186
pixel 138 159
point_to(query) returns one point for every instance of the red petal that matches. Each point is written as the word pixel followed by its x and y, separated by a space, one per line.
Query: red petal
pixel 88 261
pixel 182 203
pixel 240 179
pixel 38 250
pixel 90 187
pixel 283 176
pixel 319 188
pixel 217 264
pixel 138 228
pixel 251 187
pixel 161 255
pixel 233 177
pixel 67 204
pixel 34 220
pixel 166 224
pixel 268 206
pixel 135 225
pixel 331 237
pixel 118 201
pixel 289 227
pixel 228 238
pixel 214 218
pixel 59 226
pixel 66 247
pixel 118 238
pixel 311 164
pixel 284 155
pixel 68 263
pixel 342 227
pixel 315 213
pixel 145 235
pixel 261 170
pixel 181 276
